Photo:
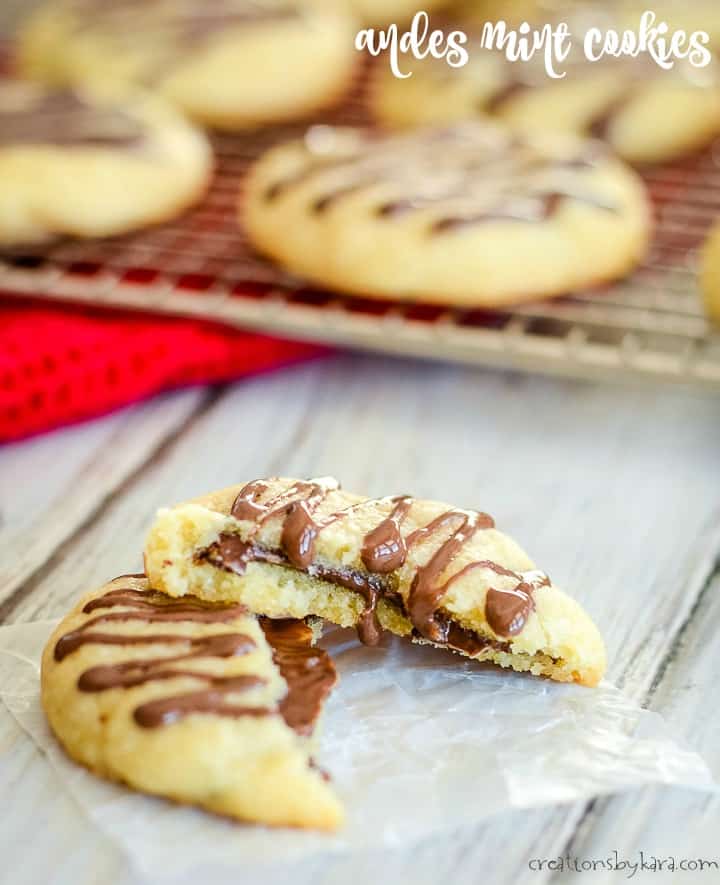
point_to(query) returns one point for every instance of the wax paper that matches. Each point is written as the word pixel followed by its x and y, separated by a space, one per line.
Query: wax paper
pixel 418 741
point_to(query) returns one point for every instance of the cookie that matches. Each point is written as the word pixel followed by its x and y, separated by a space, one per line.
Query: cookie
pixel 442 575
pixel 710 273
pixel 646 114
pixel 465 215
pixel 193 701
pixel 700 15
pixel 387 12
pixel 229 64
pixel 93 163
pixel 513 12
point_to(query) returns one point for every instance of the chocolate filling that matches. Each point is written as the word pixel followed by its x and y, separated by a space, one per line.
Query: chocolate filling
pixel 308 672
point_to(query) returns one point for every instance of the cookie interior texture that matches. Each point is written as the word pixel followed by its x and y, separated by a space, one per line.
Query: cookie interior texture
pixel 199 702
pixel 439 574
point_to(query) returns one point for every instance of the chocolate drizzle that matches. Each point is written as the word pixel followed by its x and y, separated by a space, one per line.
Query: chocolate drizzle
pixel 602 122
pixel 426 590
pixel 179 23
pixel 384 550
pixel 626 71
pixel 64 119
pixel 309 673
pixel 468 174
pixel 296 505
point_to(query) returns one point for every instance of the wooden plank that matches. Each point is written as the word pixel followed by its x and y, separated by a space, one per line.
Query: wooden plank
pixel 46 837
pixel 52 485
pixel 248 424
pixel 664 823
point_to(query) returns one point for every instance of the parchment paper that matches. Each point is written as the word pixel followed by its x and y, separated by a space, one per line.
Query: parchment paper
pixel 417 741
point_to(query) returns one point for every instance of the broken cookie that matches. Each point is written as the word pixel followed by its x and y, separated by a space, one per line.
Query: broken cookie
pixel 440 574
pixel 199 702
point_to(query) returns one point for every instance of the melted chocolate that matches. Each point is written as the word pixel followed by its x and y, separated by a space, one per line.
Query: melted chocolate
pixel 601 124
pixel 509 90
pixel 165 711
pixel 233 554
pixel 309 673
pixel 177 23
pixel 480 177
pixel 426 590
pixel 63 119
pixel 384 550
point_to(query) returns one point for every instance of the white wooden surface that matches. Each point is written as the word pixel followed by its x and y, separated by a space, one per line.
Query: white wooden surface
pixel 616 492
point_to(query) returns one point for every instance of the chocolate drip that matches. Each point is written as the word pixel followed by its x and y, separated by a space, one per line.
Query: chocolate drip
pixel 126 674
pixel 541 207
pixel 233 554
pixel 299 533
pixel 179 23
pixel 246 504
pixel 426 591
pixel 165 711
pixel 397 208
pixel 600 125
pixel 475 177
pixel 72 641
pixel 63 119
pixel 506 611
pixel 309 672
pixel 509 90
pixel 323 204
pixel 279 187
pixel 369 586
pixel 296 504
pixel 384 549
pixel 462 640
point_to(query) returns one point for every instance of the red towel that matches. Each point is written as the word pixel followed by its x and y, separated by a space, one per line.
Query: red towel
pixel 60 365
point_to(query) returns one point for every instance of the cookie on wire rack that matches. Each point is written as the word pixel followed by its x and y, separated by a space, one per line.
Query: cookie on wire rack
pixel 228 64
pixel 646 114
pixel 93 162
pixel 468 214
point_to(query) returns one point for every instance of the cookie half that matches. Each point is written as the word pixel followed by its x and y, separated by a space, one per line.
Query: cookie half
pixel 468 215
pixel 198 702
pixel 230 64
pixel 646 114
pixel 93 163
pixel 440 574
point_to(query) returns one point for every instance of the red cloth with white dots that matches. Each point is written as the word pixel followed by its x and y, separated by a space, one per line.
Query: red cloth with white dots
pixel 59 365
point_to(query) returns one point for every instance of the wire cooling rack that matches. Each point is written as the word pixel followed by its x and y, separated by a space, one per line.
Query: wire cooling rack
pixel 650 325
